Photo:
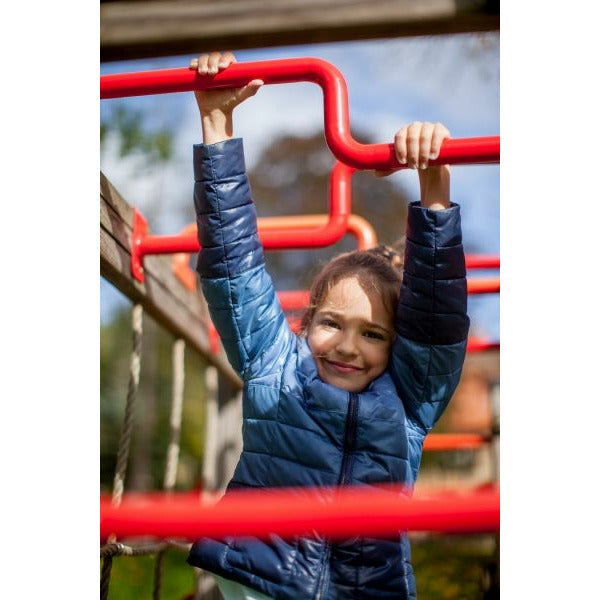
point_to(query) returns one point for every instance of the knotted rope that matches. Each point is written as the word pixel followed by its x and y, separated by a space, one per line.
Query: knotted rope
pixel 173 448
pixel 124 440
pixel 176 411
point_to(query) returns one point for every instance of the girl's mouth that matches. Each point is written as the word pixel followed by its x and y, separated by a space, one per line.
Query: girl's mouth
pixel 341 368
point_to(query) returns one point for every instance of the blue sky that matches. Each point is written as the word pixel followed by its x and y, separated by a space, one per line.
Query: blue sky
pixel 452 79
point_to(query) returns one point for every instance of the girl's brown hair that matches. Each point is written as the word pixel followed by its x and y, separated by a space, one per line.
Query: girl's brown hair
pixel 377 269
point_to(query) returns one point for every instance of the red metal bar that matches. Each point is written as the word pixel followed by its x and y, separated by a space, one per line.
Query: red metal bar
pixel 483 286
pixel 340 182
pixel 335 100
pixel 454 441
pixel 338 512
pixel 481 345
pixel 482 261
pixel 360 228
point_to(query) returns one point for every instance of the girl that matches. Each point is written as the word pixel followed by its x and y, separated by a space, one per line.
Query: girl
pixel 349 401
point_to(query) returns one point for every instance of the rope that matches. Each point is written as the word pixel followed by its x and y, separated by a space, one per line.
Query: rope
pixel 105 577
pixel 134 379
pixel 158 571
pixel 118 549
pixel 176 410
pixel 173 448
pixel 123 451
pixel 209 468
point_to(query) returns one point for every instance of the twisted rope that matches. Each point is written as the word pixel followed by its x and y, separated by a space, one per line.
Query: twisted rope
pixel 173 448
pixel 158 571
pixel 124 440
pixel 176 411
pixel 118 549
pixel 105 577
pixel 134 379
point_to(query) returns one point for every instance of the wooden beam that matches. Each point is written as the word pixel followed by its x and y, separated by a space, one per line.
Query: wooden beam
pixel 132 30
pixel 183 312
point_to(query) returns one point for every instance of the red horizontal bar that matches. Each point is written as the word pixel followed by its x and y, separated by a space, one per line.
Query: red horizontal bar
pixel 481 345
pixel 335 101
pixel 454 441
pixel 482 261
pixel 483 286
pixel 334 512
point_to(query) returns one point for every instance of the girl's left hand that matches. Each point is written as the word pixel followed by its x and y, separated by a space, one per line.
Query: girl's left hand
pixel 415 145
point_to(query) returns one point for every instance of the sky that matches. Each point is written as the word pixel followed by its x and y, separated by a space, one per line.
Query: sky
pixel 451 79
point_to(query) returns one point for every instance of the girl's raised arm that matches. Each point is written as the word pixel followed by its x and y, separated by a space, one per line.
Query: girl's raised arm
pixel 431 321
pixel 237 288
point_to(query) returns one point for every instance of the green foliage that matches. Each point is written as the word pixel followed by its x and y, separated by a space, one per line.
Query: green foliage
pixel 132 577
pixel 130 126
pixel 452 567
pixel 150 436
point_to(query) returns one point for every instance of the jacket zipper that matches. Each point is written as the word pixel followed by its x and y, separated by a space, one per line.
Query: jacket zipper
pixel 349 445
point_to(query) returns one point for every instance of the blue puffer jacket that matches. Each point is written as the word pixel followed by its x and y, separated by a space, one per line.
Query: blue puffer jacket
pixel 300 431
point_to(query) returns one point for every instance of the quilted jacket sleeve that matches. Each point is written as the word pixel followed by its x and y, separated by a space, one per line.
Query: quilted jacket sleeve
pixel 239 292
pixel 431 324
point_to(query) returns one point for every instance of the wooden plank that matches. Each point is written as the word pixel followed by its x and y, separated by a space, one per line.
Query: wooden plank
pixel 132 30
pixel 182 312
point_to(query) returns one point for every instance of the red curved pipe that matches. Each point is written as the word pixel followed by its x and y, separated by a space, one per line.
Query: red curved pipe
pixel 335 101
pixel 340 182
pixel 360 228
pixel 344 513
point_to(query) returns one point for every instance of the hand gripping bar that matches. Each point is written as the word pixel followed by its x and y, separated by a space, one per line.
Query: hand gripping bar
pixel 458 151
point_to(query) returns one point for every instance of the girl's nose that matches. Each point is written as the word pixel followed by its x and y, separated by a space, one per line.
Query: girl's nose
pixel 346 345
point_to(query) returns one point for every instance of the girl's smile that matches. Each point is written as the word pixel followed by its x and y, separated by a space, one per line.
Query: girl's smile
pixel 351 336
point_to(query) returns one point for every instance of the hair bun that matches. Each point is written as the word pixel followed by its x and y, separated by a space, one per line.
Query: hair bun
pixel 387 252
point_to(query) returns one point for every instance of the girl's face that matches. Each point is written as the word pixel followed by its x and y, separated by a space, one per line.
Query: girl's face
pixel 351 336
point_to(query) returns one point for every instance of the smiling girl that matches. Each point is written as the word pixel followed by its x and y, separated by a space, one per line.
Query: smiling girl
pixel 350 400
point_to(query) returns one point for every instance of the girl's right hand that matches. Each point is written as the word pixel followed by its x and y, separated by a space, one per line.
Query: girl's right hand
pixel 220 101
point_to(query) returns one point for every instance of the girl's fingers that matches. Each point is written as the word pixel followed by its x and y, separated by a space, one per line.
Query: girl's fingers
pixel 418 143
pixel 400 146
pixel 425 144
pixel 440 133
pixel 200 64
pixel 248 90
pixel 227 58
pixel 210 64
pixel 213 63
pixel 412 144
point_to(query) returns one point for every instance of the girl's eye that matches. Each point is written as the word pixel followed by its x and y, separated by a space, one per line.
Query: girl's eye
pixel 375 335
pixel 329 323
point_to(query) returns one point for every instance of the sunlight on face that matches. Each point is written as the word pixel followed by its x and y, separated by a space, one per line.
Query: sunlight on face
pixel 351 336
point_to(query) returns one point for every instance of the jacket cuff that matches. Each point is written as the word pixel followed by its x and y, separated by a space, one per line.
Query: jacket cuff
pixel 219 161
pixel 426 227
